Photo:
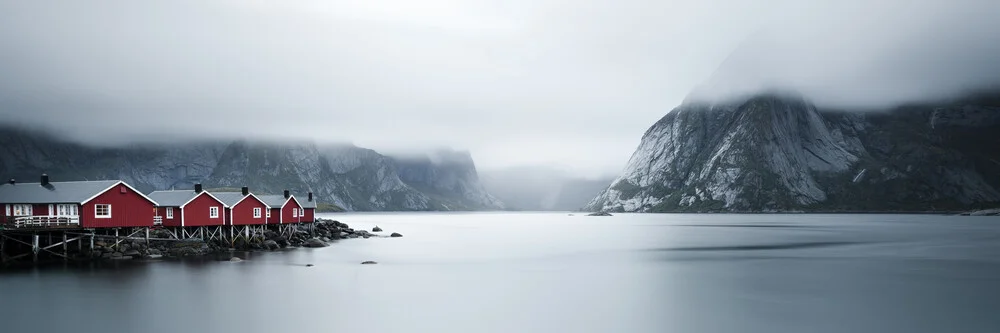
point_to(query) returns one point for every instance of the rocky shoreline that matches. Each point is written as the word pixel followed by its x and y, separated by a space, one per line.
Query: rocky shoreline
pixel 324 232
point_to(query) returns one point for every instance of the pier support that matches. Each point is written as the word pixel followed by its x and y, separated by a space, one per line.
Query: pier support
pixel 34 247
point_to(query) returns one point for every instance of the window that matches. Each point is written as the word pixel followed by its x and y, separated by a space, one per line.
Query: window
pixel 22 210
pixel 295 212
pixel 268 213
pixel 213 212
pixel 102 211
pixel 170 212
pixel 8 210
pixel 67 210
pixel 256 213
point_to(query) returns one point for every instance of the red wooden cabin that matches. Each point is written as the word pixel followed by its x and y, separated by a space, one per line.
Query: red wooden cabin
pixel 309 210
pixel 244 208
pixel 187 208
pixel 87 204
pixel 284 208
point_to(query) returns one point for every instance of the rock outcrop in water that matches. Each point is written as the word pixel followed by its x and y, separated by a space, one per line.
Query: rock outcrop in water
pixel 781 153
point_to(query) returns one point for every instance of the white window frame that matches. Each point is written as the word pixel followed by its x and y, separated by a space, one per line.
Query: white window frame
pixel 213 212
pixel 295 212
pixel 268 213
pixel 256 212
pixel 22 210
pixel 170 213
pixel 97 211
pixel 67 210
pixel 8 211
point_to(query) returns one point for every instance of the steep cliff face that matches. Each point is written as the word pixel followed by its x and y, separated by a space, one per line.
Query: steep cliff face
pixel 351 177
pixel 450 177
pixel 779 153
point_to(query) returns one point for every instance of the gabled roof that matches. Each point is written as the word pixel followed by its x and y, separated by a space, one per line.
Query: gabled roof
pixel 178 198
pixel 273 200
pixel 309 204
pixel 233 198
pixel 58 192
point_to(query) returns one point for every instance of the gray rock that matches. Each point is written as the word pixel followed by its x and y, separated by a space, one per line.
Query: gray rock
pixel 271 244
pixel 315 242
pixel 369 262
pixel 133 253
pixel 116 254
pixel 235 259
pixel 376 229
pixel 396 234
pixel 154 256
pixel 599 214
pixel 153 252
pixel 122 258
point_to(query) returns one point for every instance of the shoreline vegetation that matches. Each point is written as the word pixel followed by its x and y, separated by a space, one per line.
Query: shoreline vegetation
pixel 325 231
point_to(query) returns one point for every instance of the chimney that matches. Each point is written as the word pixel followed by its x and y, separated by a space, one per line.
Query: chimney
pixel 45 180
pixel 287 194
pixel 11 181
pixel 310 196
pixel 245 190
pixel 197 188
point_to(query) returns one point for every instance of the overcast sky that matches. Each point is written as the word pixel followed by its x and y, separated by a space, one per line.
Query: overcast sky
pixel 567 83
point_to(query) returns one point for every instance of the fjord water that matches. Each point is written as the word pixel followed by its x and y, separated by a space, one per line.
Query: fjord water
pixel 551 272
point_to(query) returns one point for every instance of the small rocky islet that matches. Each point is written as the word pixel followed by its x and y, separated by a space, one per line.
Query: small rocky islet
pixel 325 231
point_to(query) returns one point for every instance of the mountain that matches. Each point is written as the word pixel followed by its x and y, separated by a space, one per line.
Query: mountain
pixel 351 177
pixel 541 188
pixel 778 152
pixel 447 176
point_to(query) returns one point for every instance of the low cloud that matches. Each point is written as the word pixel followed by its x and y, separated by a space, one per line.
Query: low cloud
pixel 572 84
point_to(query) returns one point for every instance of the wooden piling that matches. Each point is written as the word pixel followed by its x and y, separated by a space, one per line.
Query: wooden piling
pixel 34 247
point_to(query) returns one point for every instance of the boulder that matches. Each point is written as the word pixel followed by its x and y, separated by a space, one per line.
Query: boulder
pixel 315 242
pixel 100 243
pixel 369 262
pixel 271 245
pixel 376 229
pixel 155 252
pixel 154 256
pixel 396 234
pixel 117 254
pixel 235 259
pixel 121 258
pixel 599 214
pixel 133 253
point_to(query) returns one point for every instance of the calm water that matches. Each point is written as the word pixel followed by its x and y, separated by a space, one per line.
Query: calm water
pixel 550 272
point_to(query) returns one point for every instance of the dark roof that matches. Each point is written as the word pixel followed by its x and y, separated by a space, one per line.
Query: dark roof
pixel 176 198
pixel 54 192
pixel 273 200
pixel 307 203
pixel 231 198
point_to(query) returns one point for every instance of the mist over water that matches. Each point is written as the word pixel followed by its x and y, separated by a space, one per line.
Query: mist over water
pixel 551 272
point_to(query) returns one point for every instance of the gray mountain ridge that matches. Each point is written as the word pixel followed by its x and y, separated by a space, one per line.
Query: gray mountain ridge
pixel 351 177
pixel 778 152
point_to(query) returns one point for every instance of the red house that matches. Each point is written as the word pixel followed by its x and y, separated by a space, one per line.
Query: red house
pixel 87 204
pixel 243 208
pixel 284 208
pixel 309 210
pixel 189 208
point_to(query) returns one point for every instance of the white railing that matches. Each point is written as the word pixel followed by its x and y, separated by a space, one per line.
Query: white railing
pixel 45 221
pixel 157 220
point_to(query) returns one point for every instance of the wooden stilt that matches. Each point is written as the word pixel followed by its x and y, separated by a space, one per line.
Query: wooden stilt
pixel 147 237
pixel 65 248
pixel 116 239
pixel 34 247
